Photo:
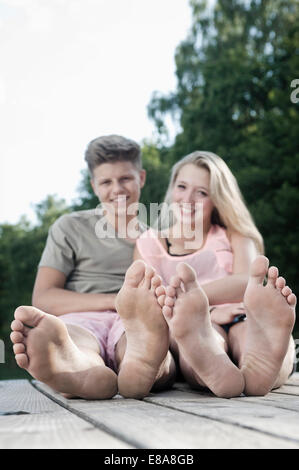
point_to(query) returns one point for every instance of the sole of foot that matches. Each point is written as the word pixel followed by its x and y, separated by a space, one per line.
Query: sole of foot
pixel 146 331
pixel 186 310
pixel 270 311
pixel 43 347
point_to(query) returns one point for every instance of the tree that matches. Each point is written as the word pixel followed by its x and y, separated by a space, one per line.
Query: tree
pixel 21 246
pixel 234 74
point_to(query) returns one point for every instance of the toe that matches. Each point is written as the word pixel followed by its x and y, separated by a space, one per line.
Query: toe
pixel 22 360
pixel 17 325
pixel 148 275
pixel 292 300
pixel 280 283
pixel 175 281
pixel 286 291
pixel 169 301
pixel 16 337
pixel 258 269
pixel 160 291
pixel 135 273
pixel 187 276
pixel 19 348
pixel 161 300
pixel 156 281
pixel 167 312
pixel 272 276
pixel 160 294
pixel 30 316
pixel 170 291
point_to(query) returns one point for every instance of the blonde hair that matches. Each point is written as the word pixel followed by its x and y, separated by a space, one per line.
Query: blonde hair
pixel 230 210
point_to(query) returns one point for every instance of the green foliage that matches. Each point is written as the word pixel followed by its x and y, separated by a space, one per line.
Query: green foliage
pixel 87 199
pixel 157 174
pixel 21 246
pixel 234 72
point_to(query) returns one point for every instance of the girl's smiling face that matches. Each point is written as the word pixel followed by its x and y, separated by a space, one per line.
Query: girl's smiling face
pixel 192 186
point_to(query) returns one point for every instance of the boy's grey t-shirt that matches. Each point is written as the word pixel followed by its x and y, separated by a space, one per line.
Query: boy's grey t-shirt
pixel 90 262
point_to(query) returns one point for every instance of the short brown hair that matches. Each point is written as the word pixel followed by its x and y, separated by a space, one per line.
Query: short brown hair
pixel 110 149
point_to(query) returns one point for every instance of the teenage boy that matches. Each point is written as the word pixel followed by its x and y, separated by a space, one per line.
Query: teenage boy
pixel 82 346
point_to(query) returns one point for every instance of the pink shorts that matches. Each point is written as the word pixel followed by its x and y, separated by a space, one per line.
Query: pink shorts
pixel 106 326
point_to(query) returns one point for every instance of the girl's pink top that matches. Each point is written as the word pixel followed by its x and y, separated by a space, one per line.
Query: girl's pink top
pixel 213 261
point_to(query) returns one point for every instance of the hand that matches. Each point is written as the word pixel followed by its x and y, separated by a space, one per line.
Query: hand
pixel 223 314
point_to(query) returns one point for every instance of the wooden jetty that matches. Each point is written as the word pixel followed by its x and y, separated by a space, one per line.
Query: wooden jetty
pixel 33 416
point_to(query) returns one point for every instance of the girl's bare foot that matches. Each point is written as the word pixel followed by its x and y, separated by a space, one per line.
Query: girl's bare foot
pixel 186 310
pixel 43 347
pixel 146 331
pixel 270 311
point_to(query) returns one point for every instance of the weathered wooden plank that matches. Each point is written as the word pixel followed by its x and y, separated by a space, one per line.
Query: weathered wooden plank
pixel 30 420
pixel 152 425
pixel 287 402
pixel 294 379
pixel 287 390
pixel 275 398
pixel 270 420
pixel 291 387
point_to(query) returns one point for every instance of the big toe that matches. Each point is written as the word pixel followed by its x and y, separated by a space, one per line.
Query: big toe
pixel 30 316
pixel 258 269
pixel 187 275
pixel 135 273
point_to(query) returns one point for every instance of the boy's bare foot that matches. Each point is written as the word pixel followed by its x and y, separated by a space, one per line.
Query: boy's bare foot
pixel 44 348
pixel 146 331
pixel 270 311
pixel 186 311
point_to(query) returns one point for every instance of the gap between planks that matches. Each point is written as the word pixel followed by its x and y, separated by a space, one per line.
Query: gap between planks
pixel 39 386
pixel 31 420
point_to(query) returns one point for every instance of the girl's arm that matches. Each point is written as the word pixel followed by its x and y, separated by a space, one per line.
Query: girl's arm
pixel 231 289
pixel 50 295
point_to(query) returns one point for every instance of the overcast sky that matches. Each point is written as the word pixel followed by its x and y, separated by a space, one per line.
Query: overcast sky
pixel 72 70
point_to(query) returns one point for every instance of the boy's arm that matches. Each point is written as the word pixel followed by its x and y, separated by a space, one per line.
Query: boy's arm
pixel 50 296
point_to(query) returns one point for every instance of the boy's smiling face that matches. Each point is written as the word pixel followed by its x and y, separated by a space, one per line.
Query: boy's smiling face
pixel 117 185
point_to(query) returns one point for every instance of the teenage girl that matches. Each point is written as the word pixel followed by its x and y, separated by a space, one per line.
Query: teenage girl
pixel 230 332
